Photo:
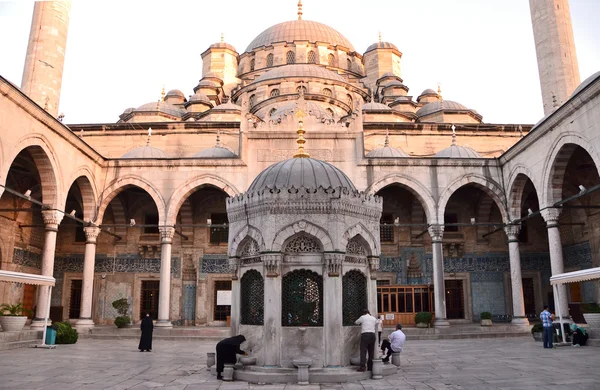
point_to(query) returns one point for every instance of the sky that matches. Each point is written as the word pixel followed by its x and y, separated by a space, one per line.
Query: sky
pixel 121 53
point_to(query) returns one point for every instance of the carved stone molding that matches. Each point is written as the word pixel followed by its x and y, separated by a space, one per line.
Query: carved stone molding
pixel 234 265
pixel 453 249
pixel 512 232
pixel 272 262
pixel 91 234
pixel 551 216
pixel 373 265
pixel 436 232
pixel 52 219
pixel 166 234
pixel 333 263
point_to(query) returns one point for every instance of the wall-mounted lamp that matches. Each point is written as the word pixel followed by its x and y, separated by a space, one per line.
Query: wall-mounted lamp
pixel 529 212
pixel 582 188
pixel 209 221
pixel 28 193
pixel 397 221
pixel 72 213
pixel 132 222
pixel 472 221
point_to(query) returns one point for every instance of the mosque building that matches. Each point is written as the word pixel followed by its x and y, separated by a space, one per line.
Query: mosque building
pixel 473 217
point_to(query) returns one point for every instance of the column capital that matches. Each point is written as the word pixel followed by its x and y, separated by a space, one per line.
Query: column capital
pixel 52 218
pixel 373 263
pixel 271 261
pixel 234 266
pixel 551 216
pixel 436 232
pixel 333 263
pixel 512 232
pixel 166 234
pixel 91 234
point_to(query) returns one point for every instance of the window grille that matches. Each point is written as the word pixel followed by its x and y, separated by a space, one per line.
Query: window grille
pixel 331 60
pixel 269 60
pixel 275 92
pixel 312 58
pixel 302 299
pixel 354 296
pixel 303 243
pixel 301 88
pixel 250 249
pixel 290 57
pixel 220 234
pixel 252 64
pixel 253 298
pixel 327 92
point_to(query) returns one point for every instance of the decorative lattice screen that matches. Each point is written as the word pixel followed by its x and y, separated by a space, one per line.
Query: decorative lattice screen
pixel 303 243
pixel 302 299
pixel 253 298
pixel 354 296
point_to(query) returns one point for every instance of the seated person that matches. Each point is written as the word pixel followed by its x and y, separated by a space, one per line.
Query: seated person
pixel 579 335
pixel 395 343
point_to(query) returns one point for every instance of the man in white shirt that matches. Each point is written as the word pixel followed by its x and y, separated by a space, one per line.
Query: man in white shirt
pixel 368 323
pixel 395 343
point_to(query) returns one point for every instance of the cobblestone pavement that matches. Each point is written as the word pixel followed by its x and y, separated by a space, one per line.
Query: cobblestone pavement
pixel 512 363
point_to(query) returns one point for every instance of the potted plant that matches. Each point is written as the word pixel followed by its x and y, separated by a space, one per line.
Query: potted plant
pixel 13 317
pixel 591 314
pixel 486 318
pixel 122 306
pixel 537 331
pixel 423 319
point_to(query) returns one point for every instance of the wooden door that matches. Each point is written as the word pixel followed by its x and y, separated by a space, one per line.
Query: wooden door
pixel 149 299
pixel 28 297
pixel 529 296
pixel 455 300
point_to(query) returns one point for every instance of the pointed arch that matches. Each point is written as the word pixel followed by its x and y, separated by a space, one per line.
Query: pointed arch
pixel 89 191
pixel 516 184
pixel 192 185
pixel 247 231
pixel 363 232
pixel 490 187
pixel 298 227
pixel 118 185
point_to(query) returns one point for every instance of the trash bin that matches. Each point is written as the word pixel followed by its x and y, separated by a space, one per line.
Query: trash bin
pixel 50 336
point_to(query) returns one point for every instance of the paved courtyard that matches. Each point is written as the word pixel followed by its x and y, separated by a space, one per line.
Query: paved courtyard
pixel 513 363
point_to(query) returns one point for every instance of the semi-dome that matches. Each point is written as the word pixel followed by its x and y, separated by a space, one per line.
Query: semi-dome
pixel 456 151
pixel 445 105
pixel 300 70
pixel 381 45
pixel 299 30
pixel 585 83
pixel 146 151
pixel 372 106
pixel 215 152
pixel 386 152
pixel 301 172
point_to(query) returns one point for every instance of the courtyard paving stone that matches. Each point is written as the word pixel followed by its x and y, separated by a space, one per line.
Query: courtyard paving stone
pixel 512 363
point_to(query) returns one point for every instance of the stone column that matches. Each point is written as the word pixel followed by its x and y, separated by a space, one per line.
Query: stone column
pixel 87 285
pixel 437 232
pixel 272 311
pixel 52 219
pixel 512 231
pixel 164 294
pixel 372 284
pixel 332 309
pixel 236 301
pixel 557 265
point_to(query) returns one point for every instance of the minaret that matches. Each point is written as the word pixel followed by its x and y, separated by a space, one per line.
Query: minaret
pixel 555 49
pixel 42 76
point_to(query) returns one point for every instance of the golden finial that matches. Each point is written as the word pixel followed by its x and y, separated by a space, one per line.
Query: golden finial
pixel 453 135
pixel 222 38
pixel 380 36
pixel 149 135
pixel 440 91
pixel 387 138
pixel 162 94
pixel 299 9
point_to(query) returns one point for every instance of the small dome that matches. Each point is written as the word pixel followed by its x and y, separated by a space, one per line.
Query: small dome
pixel 442 105
pixel 215 152
pixel 386 152
pixel 222 45
pixel 455 151
pixel 301 172
pixel 585 83
pixel 200 98
pixel 175 92
pixel 299 30
pixel 145 152
pixel 372 106
pixel 381 45
pixel 209 83
pixel 163 107
pixel 428 91
pixel 300 70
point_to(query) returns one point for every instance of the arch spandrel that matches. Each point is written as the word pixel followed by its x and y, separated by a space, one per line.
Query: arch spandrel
pixel 306 227
pixel 490 187
pixel 554 170
pixel 119 185
pixel 184 191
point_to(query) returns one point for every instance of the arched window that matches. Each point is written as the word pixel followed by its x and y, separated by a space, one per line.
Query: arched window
pixel 252 64
pixel 354 296
pixel 312 58
pixel 252 101
pixel 327 92
pixel 302 89
pixel 272 111
pixel 290 57
pixel 275 92
pixel 302 299
pixel 331 59
pixel 348 64
pixel 269 60
pixel 252 290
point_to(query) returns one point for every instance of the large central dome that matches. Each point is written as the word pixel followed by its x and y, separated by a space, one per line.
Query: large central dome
pixel 299 30
pixel 301 172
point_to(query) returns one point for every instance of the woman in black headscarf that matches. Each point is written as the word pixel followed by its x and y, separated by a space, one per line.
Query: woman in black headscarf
pixel 146 340
pixel 226 351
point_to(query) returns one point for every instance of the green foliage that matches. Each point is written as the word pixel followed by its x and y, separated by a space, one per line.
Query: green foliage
pixel 122 321
pixel 537 328
pixel 590 308
pixel 122 306
pixel 7 309
pixel 485 315
pixel 65 334
pixel 424 317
